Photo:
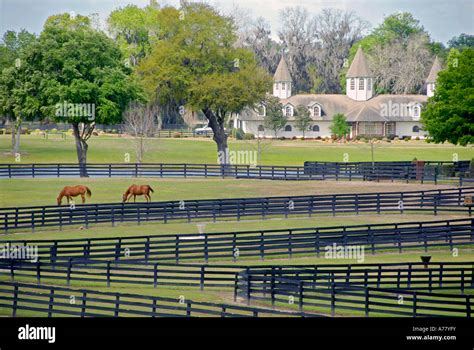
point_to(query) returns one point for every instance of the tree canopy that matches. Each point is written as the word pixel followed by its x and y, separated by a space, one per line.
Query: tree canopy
pixel 449 114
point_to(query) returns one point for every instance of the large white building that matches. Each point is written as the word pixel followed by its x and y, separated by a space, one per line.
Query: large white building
pixel 366 112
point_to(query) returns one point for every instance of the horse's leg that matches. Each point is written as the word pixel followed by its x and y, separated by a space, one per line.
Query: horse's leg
pixel 83 198
pixel 134 198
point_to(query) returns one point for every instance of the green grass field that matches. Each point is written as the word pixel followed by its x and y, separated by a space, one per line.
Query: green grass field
pixel 26 192
pixel 112 149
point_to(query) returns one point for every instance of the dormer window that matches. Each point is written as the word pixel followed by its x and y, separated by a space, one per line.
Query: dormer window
pixel 288 111
pixel 261 110
pixel 416 111
pixel 316 111
pixel 352 83
pixel 361 84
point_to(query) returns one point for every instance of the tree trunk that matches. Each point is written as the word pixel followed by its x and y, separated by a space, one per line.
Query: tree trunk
pixel 220 138
pixel 16 132
pixel 81 149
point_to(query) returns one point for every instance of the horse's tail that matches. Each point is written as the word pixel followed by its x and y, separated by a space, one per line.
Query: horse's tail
pixel 151 189
pixel 89 193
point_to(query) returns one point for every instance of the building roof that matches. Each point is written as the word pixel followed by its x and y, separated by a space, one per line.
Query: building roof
pixel 282 73
pixel 381 108
pixel 435 68
pixel 359 66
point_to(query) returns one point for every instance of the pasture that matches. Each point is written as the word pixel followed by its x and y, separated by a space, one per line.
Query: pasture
pixel 105 149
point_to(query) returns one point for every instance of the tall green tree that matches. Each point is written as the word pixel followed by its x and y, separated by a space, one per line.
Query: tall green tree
pixel 302 118
pixel 17 85
pixel 449 114
pixel 274 119
pixel 339 126
pixel 199 65
pixel 84 79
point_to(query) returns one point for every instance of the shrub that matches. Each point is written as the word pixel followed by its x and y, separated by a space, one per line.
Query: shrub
pixel 238 134
pixel 248 136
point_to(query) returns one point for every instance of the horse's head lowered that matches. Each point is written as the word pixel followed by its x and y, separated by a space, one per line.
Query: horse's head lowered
pixel 59 199
pixel 124 197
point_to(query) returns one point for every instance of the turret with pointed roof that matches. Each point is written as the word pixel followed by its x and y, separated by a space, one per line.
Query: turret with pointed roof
pixel 431 80
pixel 282 80
pixel 359 81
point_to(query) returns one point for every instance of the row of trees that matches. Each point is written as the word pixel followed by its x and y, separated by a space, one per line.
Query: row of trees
pixel 195 58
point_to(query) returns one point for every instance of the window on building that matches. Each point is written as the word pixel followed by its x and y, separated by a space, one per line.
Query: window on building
pixel 283 86
pixel 390 128
pixel 369 84
pixel 288 128
pixel 288 111
pixel 370 128
pixel 316 111
pixel 416 128
pixel 276 86
pixel 261 128
pixel 261 110
pixel 352 83
pixel 416 111
pixel 361 83
pixel 316 128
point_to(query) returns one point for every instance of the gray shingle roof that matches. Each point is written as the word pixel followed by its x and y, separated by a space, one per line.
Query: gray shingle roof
pixel 435 68
pixel 282 73
pixel 359 66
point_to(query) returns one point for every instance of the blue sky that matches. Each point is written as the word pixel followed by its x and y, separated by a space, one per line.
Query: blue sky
pixel 443 19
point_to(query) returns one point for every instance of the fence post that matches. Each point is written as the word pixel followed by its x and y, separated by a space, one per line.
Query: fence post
pixel 203 272
pixel 176 251
pixel 16 291
pixel 249 288
pixel 206 248
pixel 272 291
pixel 51 302
pixel 414 304
pixel 155 275
pixel 108 273
pixel 367 302
pixel 117 305
pixel 12 270
pixel 333 299
pixel 468 306
pixel 83 308
pixel 301 295
pixel 69 268
pixel 38 272
pixel 262 246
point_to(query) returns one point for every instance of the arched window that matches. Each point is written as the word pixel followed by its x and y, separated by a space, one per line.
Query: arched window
pixel 353 83
pixel 261 110
pixel 317 111
pixel 261 128
pixel 416 111
pixel 416 128
pixel 288 128
pixel 361 83
pixel 316 128
pixel 288 111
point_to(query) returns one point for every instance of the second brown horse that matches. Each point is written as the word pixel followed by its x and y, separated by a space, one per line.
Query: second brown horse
pixel 136 190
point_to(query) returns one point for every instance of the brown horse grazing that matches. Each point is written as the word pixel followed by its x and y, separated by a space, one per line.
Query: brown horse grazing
pixel 73 191
pixel 136 190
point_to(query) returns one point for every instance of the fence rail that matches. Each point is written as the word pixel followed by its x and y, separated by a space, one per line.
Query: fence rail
pixel 433 201
pixel 408 276
pixel 454 172
pixel 351 299
pixel 52 301
pixel 257 243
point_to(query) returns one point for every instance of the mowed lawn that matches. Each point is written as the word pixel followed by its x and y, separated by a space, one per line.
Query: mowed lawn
pixel 114 149
pixel 28 191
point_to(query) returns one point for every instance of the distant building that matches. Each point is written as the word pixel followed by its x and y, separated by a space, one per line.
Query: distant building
pixel 368 115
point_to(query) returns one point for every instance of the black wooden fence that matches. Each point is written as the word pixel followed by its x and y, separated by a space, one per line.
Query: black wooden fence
pixel 408 276
pixel 433 201
pixel 257 243
pixel 351 299
pixel 20 299
pixel 424 171
pixel 454 172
